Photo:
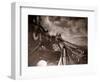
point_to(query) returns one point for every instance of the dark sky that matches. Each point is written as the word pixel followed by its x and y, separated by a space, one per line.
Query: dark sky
pixel 72 29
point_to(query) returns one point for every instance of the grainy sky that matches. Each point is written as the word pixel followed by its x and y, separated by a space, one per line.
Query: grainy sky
pixel 72 29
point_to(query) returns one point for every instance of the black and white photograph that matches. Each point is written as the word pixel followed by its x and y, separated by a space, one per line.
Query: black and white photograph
pixel 57 40
pixel 53 41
